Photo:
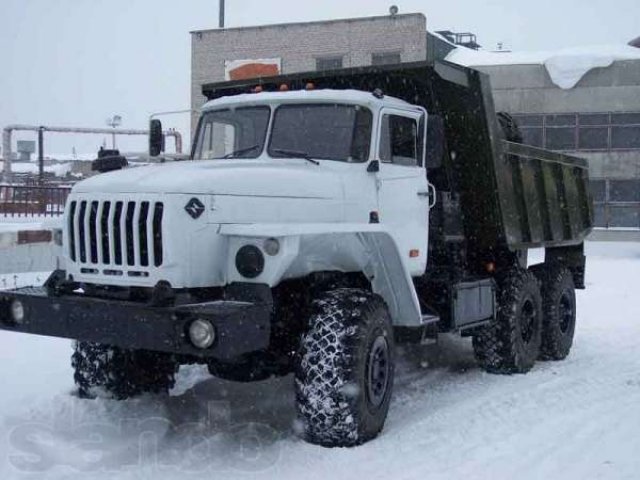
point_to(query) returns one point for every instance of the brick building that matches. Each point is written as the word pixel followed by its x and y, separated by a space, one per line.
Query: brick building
pixel 302 47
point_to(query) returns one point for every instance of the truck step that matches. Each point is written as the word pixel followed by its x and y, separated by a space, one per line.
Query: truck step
pixel 429 318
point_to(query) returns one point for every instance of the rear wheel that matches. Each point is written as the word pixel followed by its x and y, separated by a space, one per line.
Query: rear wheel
pixel 345 369
pixel 559 306
pixel 511 343
pixel 101 370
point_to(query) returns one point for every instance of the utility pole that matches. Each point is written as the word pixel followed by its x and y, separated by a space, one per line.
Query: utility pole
pixel 221 23
pixel 114 122
pixel 41 155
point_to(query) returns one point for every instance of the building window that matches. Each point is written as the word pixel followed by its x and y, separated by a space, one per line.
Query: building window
pixel 329 63
pixel 616 203
pixel 593 138
pixel 625 137
pixel 560 138
pixel 385 59
pixel 560 120
pixel 599 190
pixel 533 136
pixel 594 119
pixel 582 132
pixel 624 190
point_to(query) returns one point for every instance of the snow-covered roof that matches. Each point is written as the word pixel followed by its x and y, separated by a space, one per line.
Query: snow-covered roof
pixel 348 96
pixel 566 67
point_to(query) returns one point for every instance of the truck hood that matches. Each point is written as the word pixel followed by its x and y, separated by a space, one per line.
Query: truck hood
pixel 286 178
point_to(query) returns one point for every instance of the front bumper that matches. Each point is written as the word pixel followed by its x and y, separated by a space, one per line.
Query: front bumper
pixel 241 327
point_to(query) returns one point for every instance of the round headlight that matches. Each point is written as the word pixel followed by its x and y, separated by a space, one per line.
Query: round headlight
pixel 202 334
pixel 17 311
pixel 272 246
pixel 250 261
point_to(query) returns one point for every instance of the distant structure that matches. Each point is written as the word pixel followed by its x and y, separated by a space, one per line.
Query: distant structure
pixel 26 148
pixel 597 118
pixel 466 39
pixel 635 43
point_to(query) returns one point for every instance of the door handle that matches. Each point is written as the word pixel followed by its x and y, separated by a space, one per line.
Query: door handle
pixel 433 197
pixel 430 194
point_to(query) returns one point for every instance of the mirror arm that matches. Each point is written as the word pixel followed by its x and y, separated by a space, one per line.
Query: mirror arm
pixel 374 166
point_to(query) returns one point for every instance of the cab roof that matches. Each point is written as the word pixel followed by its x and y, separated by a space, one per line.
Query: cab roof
pixel 355 97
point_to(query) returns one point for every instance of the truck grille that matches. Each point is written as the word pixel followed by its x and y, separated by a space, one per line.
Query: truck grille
pixel 115 233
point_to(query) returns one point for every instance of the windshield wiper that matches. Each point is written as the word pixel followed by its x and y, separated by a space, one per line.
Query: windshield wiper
pixel 241 151
pixel 295 154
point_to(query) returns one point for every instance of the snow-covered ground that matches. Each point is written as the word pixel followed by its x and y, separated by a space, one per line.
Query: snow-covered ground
pixel 579 419
pixel 37 222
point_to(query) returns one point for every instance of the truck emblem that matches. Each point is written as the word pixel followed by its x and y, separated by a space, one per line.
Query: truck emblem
pixel 194 208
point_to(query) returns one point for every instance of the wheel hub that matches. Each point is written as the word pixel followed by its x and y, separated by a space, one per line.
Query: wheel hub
pixel 528 320
pixel 565 312
pixel 378 367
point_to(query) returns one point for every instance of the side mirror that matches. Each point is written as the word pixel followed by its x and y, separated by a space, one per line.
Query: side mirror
pixel 156 138
pixel 374 167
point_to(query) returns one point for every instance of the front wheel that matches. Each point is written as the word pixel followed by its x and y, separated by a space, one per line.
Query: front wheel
pixel 345 369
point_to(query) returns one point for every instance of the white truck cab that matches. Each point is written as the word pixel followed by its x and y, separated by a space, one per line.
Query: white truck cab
pixel 307 172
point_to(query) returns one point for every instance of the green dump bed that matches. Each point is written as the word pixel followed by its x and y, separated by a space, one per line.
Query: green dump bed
pixel 509 195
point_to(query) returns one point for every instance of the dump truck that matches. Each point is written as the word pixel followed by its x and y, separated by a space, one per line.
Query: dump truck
pixel 323 219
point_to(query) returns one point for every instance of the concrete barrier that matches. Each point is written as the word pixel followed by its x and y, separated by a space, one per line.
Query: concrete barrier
pixel 29 250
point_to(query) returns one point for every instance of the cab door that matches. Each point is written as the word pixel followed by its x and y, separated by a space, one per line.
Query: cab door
pixel 403 190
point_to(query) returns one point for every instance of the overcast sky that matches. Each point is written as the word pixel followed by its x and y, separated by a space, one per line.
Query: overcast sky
pixel 76 62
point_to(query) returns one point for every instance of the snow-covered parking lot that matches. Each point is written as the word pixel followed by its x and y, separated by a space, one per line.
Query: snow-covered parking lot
pixel 579 419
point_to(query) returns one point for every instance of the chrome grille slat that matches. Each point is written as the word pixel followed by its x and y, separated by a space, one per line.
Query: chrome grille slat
pixel 82 230
pixel 71 231
pixel 123 233
pixel 76 224
pixel 136 247
pixel 142 226
pixel 99 234
pixel 115 233
pixel 85 232
pixel 93 232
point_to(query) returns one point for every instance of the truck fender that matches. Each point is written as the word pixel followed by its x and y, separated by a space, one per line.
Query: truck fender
pixel 305 249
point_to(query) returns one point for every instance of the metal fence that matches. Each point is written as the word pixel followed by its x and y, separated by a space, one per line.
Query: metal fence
pixel 32 201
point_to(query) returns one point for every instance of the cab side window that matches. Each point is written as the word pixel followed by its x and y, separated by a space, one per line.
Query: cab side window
pixel 399 140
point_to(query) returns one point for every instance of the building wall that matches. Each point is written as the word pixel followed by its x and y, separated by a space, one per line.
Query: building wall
pixel 299 45
pixel 529 90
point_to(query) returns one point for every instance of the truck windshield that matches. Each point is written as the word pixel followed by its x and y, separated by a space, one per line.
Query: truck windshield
pixel 322 131
pixel 233 133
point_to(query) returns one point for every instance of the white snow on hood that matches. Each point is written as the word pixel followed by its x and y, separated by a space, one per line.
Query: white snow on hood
pixel 566 67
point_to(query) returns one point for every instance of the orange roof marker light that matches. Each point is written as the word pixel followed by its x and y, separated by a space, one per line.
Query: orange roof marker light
pixel 310 86
pixel 284 87
pixel 258 89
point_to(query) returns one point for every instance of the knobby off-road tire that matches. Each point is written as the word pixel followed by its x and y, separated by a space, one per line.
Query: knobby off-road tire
pixel 559 307
pixel 345 369
pixel 112 372
pixel 511 343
